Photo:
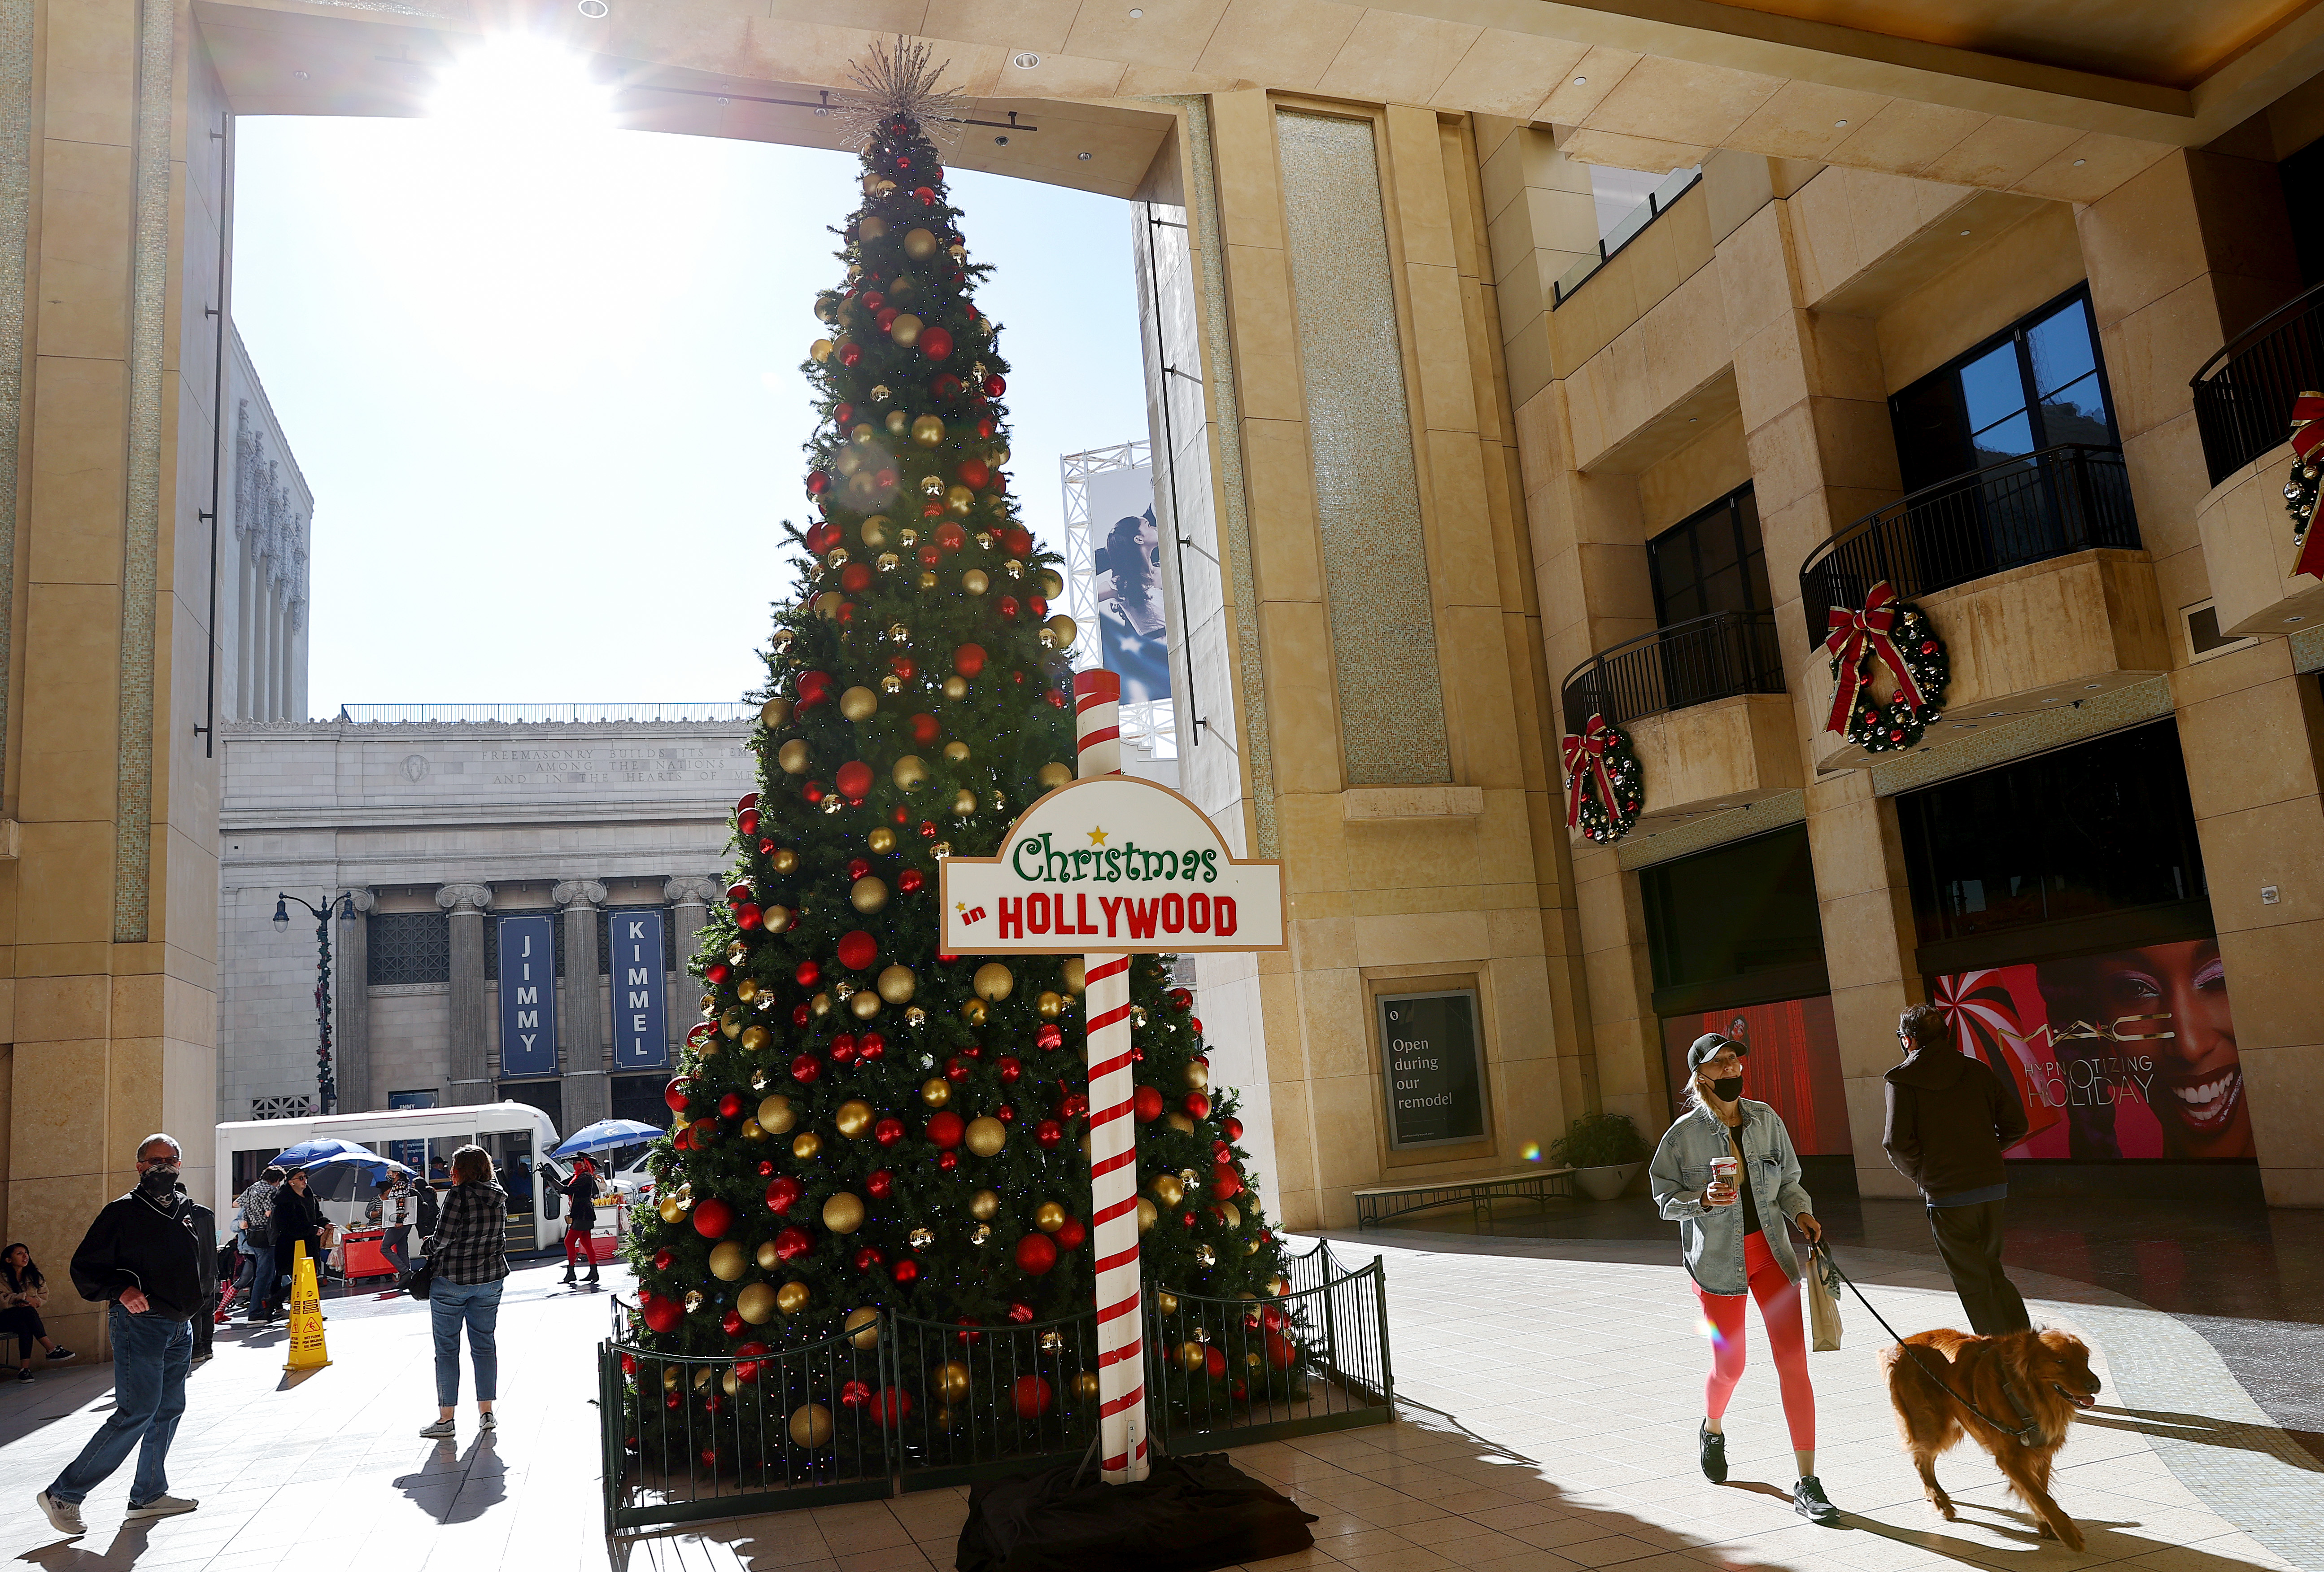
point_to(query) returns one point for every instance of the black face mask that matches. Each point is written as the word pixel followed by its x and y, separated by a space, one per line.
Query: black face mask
pixel 159 1182
pixel 1728 1090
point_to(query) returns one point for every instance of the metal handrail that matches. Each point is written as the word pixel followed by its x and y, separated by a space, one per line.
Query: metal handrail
pixel 1695 661
pixel 2244 394
pixel 1659 201
pixel 2048 503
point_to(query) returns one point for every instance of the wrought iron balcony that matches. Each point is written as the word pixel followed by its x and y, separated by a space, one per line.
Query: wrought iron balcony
pixel 2244 394
pixel 2050 504
pixel 1687 663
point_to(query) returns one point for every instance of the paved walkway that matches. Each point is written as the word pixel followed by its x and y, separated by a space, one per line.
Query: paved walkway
pixel 1560 1390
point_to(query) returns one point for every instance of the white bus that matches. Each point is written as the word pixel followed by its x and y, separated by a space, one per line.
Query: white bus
pixel 519 1136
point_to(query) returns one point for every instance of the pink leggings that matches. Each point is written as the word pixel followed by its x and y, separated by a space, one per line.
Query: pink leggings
pixel 1779 1309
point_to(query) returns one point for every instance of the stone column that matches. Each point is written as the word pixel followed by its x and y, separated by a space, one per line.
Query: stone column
pixel 353 1033
pixel 581 1021
pixel 471 1071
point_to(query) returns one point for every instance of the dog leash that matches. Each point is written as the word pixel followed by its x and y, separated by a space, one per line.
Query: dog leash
pixel 2027 1426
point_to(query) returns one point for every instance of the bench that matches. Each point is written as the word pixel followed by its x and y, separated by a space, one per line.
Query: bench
pixel 1376 1204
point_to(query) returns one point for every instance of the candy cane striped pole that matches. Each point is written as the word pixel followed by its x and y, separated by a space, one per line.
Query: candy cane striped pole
pixel 1114 1139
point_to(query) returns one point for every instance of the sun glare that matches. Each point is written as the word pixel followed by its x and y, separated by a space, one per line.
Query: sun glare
pixel 518 89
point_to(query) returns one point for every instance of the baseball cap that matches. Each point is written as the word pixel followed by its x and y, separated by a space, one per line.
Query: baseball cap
pixel 1706 1048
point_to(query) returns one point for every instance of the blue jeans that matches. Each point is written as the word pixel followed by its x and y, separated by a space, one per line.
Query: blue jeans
pixel 479 1305
pixel 151 1354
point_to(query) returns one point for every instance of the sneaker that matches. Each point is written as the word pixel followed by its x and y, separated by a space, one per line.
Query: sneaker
pixel 485 1421
pixel 61 1354
pixel 64 1516
pixel 441 1431
pixel 1711 1445
pixel 23 1373
pixel 160 1506
pixel 1808 1501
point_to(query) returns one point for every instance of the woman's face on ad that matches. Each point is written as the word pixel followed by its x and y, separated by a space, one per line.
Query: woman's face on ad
pixel 2199 1091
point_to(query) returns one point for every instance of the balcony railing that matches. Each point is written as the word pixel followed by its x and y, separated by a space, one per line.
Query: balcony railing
pixel 1657 203
pixel 2244 394
pixel 1690 663
pixel 2059 500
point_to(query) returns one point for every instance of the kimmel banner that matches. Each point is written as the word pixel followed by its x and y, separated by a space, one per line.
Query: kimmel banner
pixel 1111 865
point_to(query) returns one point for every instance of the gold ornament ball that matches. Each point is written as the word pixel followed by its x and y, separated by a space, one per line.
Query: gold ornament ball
pixel 869 894
pixel 910 772
pixel 984 1206
pixel 670 1209
pixel 927 580
pixel 1182 1124
pixel 729 1260
pixel 950 1380
pixel 791 1297
pixel 670 1377
pixel 896 984
pixel 1165 1301
pixel 872 227
pixel 1168 1189
pixel 811 1422
pixel 756 1303
pixel 853 1118
pixel 1060 632
pixel 863 1327
pixel 747 989
pixel 956 753
pixel 935 1091
pixel 1192 1356
pixel 756 1038
pixel 808 1145
pixel 752 1130
pixel 1049 1004
pixel 955 687
pixel 730 1023
pixel 728 1382
pixel 905 329
pixel 843 1213
pixel 1049 583
pixel 775 1115
pixel 974 1011
pixel 1085 1386
pixel 775 712
pixel 784 860
pixel 794 757
pixel 1198 1075
pixel 974 581
pixel 875 528
pixel 777 918
pixel 927 431
pixel 859 704
pixel 1147 1215
pixel 1075 975
pixel 1229 1214
pixel 1052 775
pixel 1276 1287
pixel 919 244
pixel 766 1257
pixel 1049 1217
pixel 865 1005
pixel 985 1136
pixel 958 500
pixel 821 1003
pixel 820 350
pixel 994 982
pixel 963 803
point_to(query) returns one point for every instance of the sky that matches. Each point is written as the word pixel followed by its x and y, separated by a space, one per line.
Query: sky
pixel 545 387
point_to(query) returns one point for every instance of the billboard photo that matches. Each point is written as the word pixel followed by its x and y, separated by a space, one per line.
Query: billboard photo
pixel 1793 1066
pixel 2126 1055
pixel 1133 630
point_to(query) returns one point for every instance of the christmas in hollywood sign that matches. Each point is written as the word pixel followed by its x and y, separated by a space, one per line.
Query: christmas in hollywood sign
pixel 1107 867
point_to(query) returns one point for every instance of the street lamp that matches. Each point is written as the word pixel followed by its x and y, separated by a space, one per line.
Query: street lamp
pixel 327 1092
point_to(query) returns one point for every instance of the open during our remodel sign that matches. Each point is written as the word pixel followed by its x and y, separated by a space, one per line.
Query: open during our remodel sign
pixel 1434 1064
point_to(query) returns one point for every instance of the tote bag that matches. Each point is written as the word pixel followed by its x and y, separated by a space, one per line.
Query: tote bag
pixel 1823 1304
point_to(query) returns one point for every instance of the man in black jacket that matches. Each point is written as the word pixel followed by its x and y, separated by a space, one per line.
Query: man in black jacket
pixel 1949 1117
pixel 144 1255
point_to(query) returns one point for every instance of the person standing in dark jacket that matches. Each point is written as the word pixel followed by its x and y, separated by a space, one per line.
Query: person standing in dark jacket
pixel 142 1254
pixel 1950 1119
pixel 580 1219
pixel 297 1220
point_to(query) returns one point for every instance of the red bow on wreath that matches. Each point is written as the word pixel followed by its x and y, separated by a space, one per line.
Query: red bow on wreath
pixel 1589 748
pixel 2307 437
pixel 1854 631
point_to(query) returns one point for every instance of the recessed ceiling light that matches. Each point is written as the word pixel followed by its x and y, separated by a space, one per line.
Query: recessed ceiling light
pixel 1083 156
pixel 1991 712
pixel 1967 725
pixel 2091 686
pixel 1964 235
pixel 999 142
pixel 1135 12
pixel 2295 619
pixel 1026 60
pixel 2080 162
pixel 301 75
pixel 1837 124
pixel 594 10
pixel 1580 81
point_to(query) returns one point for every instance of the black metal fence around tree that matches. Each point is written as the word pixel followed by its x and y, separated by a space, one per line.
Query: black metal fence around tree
pixel 1686 663
pixel 2059 500
pixel 902 1404
pixel 2244 394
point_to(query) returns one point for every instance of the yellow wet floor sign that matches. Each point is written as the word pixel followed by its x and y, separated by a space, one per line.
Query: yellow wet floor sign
pixel 306 1351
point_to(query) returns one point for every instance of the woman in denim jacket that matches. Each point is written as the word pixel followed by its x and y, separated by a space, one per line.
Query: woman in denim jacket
pixel 1734 1239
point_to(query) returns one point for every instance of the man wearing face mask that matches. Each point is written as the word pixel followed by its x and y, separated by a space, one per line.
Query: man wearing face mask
pixel 1950 1119
pixel 144 1255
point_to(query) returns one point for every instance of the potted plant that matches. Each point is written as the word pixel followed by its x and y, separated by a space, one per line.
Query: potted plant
pixel 1605 1151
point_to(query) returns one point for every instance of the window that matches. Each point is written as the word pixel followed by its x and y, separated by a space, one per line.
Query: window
pixel 2102 828
pixel 2038 384
pixel 1719 916
pixel 408 947
pixel 1710 562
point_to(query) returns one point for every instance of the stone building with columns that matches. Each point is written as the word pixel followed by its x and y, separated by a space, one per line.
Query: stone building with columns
pixel 440 832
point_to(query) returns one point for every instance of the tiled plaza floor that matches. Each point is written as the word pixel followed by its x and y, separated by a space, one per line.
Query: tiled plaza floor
pixel 1568 1388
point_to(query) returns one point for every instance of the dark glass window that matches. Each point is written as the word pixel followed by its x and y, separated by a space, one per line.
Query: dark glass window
pixel 1712 561
pixel 2100 828
pixel 2303 175
pixel 1743 907
pixel 639 1097
pixel 2037 384
pixel 407 947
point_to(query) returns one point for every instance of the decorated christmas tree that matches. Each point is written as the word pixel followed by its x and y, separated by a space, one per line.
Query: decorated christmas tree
pixel 860 1123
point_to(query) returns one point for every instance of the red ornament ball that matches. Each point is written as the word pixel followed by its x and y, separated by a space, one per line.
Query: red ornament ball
pixel 661 1259
pixel 855 578
pixel 716 975
pixel 1070 1233
pixel 888 1131
pixel 906 1271
pixel 945 1130
pixel 766 1168
pixel 893 1406
pixel 1148 1102
pixel 1198 1105
pixel 947 1160
pixel 1049 1132
pixel 857 949
pixel 1226 1184
pixel 662 1314
pixel 1234 1127
pixel 675 1094
pixel 879 1183
pixel 1036 1254
pixel 806 1068
pixel 1019 1312
pixel 1031 1397
pixel 871 1258
pixel 1049 1036
pixel 1010 1067
pixel 783 1194
pixel 793 1243
pixel 935 343
pixel 854 780
pixel 1018 542
pixel 968 660
pixel 801 1016
pixel 807 973
pixel 974 473
pixel 713 1217
pixel 909 881
pixel 732 1323
pixel 730 1106
pixel 872 1045
pixel 925 730
pixel 748 917
pixel 995 384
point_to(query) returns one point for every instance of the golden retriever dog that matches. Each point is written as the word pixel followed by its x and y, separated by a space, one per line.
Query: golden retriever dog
pixel 2048 1372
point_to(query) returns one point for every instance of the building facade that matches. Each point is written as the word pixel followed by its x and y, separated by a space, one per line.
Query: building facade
pixel 267 516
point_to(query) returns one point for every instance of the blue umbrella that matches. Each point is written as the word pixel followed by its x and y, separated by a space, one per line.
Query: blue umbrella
pixel 606 1132
pixel 323 1149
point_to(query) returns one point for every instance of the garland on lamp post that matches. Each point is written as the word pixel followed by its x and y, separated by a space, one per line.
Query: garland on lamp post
pixel 326 1091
